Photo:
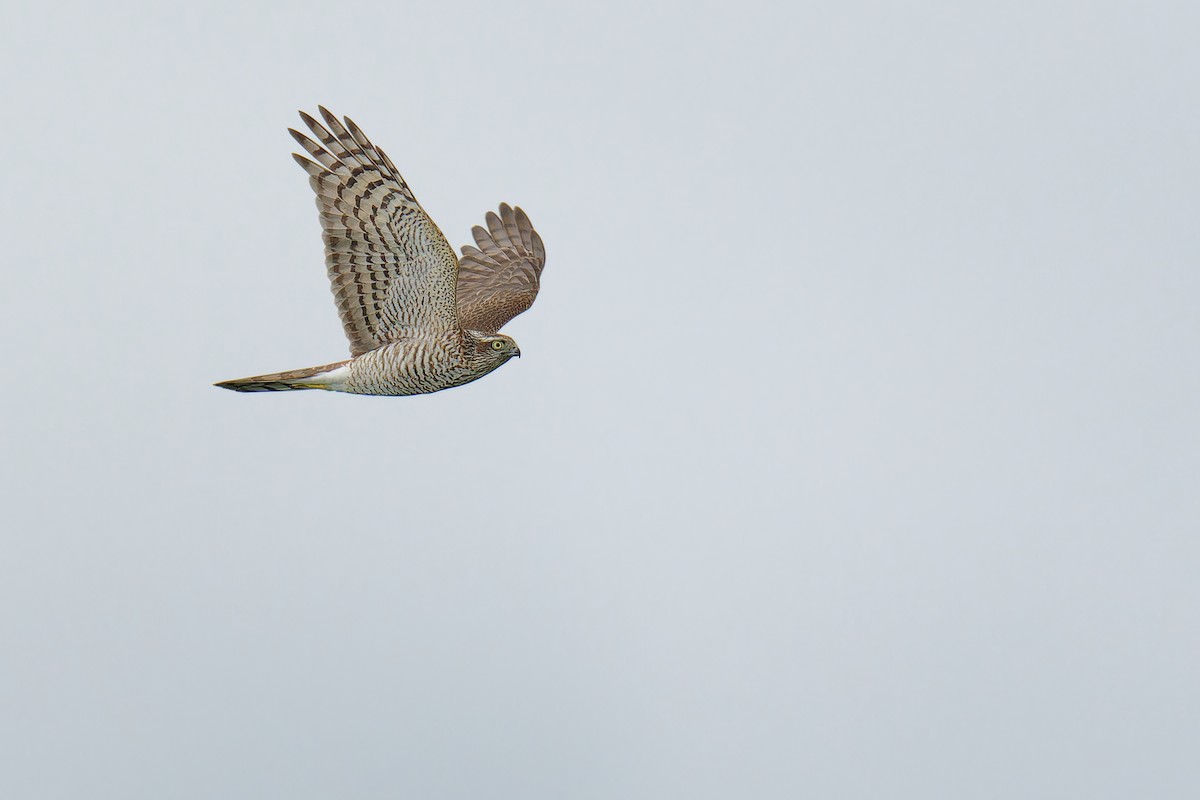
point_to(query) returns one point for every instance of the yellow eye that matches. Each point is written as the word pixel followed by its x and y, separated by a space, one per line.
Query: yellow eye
pixel 498 344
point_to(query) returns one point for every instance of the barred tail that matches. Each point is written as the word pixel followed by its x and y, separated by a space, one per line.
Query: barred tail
pixel 330 376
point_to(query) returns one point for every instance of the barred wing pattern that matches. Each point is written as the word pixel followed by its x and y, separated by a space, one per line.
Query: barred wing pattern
pixel 392 271
pixel 499 279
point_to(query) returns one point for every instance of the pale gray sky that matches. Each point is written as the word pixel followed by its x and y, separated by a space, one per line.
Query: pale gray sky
pixel 853 452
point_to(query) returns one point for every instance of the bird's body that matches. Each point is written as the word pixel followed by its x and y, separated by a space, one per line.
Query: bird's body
pixel 414 365
pixel 417 318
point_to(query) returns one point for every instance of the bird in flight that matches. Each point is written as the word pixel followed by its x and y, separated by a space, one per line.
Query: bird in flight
pixel 419 319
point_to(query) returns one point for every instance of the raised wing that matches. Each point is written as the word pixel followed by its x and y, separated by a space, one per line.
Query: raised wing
pixel 499 279
pixel 391 269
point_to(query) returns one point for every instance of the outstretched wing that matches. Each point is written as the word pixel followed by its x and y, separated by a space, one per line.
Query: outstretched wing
pixel 499 279
pixel 391 269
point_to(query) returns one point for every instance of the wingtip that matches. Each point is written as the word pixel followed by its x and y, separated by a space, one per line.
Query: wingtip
pixel 329 116
pixel 311 167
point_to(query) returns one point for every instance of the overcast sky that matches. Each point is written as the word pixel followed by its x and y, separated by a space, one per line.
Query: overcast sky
pixel 853 453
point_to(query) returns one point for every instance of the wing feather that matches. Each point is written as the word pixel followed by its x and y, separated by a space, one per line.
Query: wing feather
pixel 390 268
pixel 499 277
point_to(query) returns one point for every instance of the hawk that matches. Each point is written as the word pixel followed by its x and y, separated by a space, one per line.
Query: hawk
pixel 419 319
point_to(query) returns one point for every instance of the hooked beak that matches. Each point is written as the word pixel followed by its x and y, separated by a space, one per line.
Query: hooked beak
pixel 517 352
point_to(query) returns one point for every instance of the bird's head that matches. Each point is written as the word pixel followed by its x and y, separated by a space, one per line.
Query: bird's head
pixel 495 347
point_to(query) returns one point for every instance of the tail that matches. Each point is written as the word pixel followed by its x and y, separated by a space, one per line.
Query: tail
pixel 330 376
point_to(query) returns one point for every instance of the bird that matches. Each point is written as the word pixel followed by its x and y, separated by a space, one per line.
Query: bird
pixel 419 319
